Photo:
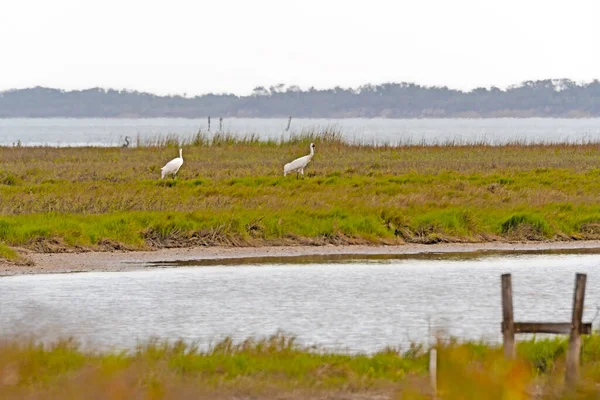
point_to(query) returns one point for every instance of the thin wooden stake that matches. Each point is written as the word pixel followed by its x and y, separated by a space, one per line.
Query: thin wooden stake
pixel 288 125
pixel 433 371
pixel 209 124
pixel 508 321
pixel 574 348
pixel 221 124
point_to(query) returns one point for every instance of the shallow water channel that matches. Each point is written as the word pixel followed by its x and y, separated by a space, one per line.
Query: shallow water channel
pixel 360 303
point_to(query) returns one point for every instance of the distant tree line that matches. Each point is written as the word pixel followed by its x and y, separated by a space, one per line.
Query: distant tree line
pixel 544 98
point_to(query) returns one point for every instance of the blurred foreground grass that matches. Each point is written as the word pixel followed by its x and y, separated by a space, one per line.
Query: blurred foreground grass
pixel 277 368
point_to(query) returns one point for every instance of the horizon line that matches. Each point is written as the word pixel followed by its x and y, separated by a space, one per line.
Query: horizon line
pixel 282 88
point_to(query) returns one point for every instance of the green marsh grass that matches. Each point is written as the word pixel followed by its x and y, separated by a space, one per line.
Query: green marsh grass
pixel 231 191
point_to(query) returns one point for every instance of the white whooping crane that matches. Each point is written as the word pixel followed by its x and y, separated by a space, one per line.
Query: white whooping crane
pixel 299 164
pixel 172 166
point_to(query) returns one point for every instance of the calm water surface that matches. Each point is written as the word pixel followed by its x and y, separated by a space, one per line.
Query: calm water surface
pixel 111 132
pixel 360 305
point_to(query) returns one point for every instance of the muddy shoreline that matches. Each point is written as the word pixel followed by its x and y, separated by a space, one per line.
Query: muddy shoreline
pixel 44 263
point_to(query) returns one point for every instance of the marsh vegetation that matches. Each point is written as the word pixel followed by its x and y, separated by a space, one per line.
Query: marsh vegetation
pixel 231 191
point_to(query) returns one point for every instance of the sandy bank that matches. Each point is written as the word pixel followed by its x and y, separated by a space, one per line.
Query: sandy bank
pixel 126 261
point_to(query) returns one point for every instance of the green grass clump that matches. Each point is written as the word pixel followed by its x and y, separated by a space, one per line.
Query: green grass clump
pixel 230 190
pixel 8 180
pixel 536 225
pixel 7 253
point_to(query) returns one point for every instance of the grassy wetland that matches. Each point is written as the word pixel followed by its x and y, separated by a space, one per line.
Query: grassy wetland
pixel 278 368
pixel 231 191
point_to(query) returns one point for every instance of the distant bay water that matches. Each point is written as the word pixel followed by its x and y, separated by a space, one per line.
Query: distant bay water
pixel 112 131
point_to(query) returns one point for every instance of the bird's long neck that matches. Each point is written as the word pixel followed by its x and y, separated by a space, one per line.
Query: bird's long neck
pixel 181 153
pixel 312 151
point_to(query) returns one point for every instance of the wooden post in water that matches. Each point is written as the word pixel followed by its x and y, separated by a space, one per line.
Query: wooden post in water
pixel 433 372
pixel 221 124
pixel 289 123
pixel 575 328
pixel 209 124
pixel 508 321
pixel 574 349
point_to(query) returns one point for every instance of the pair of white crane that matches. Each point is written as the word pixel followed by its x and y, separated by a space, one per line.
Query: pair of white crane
pixel 298 165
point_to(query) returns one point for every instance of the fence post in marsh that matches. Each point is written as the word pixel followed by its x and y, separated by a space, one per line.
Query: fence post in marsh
pixel 289 123
pixel 209 124
pixel 221 124
pixel 508 321
pixel 574 348
pixel 433 372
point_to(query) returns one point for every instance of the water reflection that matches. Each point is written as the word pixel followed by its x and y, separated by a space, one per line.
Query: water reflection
pixel 362 258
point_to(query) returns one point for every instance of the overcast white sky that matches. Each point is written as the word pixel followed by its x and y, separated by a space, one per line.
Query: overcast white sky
pixel 195 47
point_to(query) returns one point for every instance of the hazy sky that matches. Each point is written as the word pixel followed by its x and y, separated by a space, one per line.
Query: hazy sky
pixel 194 47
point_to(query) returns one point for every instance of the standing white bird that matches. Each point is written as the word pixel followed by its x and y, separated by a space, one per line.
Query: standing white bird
pixel 299 164
pixel 172 166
